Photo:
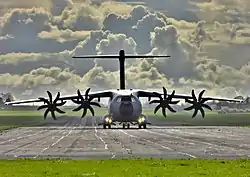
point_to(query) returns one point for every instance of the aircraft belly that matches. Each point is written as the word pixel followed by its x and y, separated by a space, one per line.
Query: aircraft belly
pixel 125 119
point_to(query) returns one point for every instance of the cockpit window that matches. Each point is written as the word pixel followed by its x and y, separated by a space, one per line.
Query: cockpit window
pixel 126 98
pixel 119 99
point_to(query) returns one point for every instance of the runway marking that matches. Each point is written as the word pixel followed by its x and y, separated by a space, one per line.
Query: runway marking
pixel 22 137
pixel 211 145
pixel 53 144
pixel 157 133
pixel 158 144
pixel 56 142
pixel 82 125
pixel 100 138
pixel 25 136
pixel 28 143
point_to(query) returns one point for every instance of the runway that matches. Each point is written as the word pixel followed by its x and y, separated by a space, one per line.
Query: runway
pixel 71 137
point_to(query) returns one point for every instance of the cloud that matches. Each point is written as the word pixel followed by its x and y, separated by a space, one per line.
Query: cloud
pixel 80 17
pixel 167 40
pixel 11 4
pixel 38 39
pixel 20 30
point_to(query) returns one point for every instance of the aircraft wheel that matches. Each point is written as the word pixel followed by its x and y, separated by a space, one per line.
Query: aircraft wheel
pixel 128 126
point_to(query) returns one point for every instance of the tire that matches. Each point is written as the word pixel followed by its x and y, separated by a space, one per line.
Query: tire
pixel 104 126
pixel 145 126
pixel 139 126
pixel 109 126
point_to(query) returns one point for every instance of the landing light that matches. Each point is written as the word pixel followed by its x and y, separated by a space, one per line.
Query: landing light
pixel 140 120
pixel 108 120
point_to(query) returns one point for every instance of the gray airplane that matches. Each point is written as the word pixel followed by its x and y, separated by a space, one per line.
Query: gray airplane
pixel 124 106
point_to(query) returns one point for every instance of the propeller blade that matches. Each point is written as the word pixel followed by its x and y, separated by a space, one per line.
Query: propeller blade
pixel 189 101
pixel 50 96
pixel 95 104
pixel 76 101
pixel 202 112
pixel 157 108
pixel 79 94
pixel 194 97
pixel 44 100
pixel 87 94
pixel 53 115
pixel 61 104
pixel 172 95
pixel 195 113
pixel 174 102
pixel 57 97
pixel 204 100
pixel 60 111
pixel 163 110
pixel 207 106
pixel 200 95
pixel 189 108
pixel 77 109
pixel 46 114
pixel 170 108
pixel 91 110
pixel 154 101
pixel 42 107
pixel 84 112
pixel 165 93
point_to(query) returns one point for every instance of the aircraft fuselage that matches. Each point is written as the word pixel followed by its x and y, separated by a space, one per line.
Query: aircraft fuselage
pixel 125 107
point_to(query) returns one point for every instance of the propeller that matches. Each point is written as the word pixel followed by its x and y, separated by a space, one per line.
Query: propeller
pixel 85 103
pixel 51 105
pixel 198 104
pixel 164 102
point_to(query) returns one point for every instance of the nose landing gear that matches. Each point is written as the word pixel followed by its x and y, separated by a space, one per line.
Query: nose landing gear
pixel 124 125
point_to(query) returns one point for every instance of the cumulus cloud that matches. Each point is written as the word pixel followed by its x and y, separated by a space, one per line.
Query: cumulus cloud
pixel 38 39
pixel 80 17
pixel 166 40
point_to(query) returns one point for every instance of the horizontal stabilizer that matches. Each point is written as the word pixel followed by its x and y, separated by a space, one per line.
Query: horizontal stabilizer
pixel 117 56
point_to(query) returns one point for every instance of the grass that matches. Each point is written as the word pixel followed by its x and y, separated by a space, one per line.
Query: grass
pixel 17 118
pixel 125 167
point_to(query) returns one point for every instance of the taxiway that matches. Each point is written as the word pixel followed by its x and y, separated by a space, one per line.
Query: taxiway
pixel 71 137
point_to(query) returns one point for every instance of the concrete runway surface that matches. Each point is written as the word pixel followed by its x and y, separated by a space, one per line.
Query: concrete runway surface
pixel 71 137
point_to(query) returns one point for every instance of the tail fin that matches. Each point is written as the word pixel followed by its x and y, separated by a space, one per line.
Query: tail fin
pixel 121 58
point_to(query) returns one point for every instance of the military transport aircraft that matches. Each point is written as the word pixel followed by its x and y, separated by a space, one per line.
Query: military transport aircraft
pixel 124 105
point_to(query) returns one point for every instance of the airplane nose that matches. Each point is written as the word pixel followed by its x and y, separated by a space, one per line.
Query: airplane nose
pixel 126 109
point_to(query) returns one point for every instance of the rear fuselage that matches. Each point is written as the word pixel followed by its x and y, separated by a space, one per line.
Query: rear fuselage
pixel 125 107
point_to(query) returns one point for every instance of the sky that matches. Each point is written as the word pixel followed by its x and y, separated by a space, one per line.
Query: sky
pixel 208 42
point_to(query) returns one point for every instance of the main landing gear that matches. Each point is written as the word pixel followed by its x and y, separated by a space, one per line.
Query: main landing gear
pixel 106 125
pixel 142 125
pixel 124 125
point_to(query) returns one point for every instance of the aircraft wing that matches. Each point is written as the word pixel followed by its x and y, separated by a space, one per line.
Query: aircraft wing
pixel 151 94
pixel 91 96
pixel 197 103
